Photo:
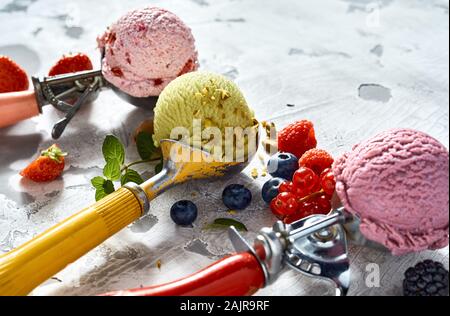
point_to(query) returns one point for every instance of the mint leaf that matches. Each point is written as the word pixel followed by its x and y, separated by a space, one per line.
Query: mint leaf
pixel 112 170
pixel 113 149
pixel 131 176
pixel 222 223
pixel 159 167
pixel 97 182
pixel 108 187
pixel 100 194
pixel 145 145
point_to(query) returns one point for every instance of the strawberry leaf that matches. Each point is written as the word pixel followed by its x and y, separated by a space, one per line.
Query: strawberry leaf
pixel 145 145
pixel 112 170
pixel 131 176
pixel 113 149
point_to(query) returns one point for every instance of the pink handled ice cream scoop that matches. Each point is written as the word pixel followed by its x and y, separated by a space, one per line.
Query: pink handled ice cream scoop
pixel 141 53
pixel 395 191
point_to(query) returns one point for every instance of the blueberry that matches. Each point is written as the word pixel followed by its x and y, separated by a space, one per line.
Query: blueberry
pixel 270 189
pixel 236 197
pixel 183 213
pixel 282 165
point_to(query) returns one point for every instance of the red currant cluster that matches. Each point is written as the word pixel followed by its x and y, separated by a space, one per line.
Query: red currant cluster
pixel 307 194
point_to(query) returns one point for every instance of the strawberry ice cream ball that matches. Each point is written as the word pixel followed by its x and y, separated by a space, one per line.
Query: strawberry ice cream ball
pixel 145 50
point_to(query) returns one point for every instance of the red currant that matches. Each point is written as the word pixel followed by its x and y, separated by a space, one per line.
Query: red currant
pixel 274 209
pixel 284 204
pixel 287 186
pixel 322 205
pixel 328 181
pixel 305 179
pixel 293 218
pixel 306 208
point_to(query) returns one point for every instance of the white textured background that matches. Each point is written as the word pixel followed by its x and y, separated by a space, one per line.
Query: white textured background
pixel 354 67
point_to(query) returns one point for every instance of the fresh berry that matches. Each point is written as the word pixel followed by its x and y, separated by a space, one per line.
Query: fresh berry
pixel 328 181
pixel 322 204
pixel 286 186
pixel 282 165
pixel 47 167
pixel 297 138
pixel 270 189
pixel 317 160
pixel 236 197
pixel 12 77
pixel 427 278
pixel 274 208
pixel 293 218
pixel 71 63
pixel 305 180
pixel 284 204
pixel 184 213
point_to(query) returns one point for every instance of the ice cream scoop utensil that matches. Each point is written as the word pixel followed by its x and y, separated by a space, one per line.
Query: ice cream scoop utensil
pixel 27 266
pixel 315 246
pixel 64 92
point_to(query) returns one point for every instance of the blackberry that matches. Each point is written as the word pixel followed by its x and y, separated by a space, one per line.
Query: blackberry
pixel 427 278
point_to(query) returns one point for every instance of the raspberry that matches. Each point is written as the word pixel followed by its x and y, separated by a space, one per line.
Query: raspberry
pixel 317 160
pixel 297 138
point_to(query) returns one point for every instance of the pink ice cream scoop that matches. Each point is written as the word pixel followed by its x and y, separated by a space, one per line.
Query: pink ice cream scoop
pixel 145 50
pixel 397 183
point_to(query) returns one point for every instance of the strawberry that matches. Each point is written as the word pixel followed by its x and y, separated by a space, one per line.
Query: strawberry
pixel 297 138
pixel 71 63
pixel 47 167
pixel 12 77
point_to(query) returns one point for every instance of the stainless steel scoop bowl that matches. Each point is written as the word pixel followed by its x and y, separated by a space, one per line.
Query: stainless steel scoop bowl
pixel 68 93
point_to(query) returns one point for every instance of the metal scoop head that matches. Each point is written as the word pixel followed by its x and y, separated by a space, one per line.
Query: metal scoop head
pixel 183 162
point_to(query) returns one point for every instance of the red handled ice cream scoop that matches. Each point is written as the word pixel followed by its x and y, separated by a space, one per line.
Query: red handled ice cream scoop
pixel 395 191
pixel 141 53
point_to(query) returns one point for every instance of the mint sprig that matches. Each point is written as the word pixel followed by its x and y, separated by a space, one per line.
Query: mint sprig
pixel 115 168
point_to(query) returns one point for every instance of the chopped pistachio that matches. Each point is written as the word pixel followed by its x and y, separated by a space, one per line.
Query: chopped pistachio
pixel 254 173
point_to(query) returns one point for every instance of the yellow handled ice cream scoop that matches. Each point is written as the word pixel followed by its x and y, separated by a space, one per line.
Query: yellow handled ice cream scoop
pixel 208 152
pixel 24 268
